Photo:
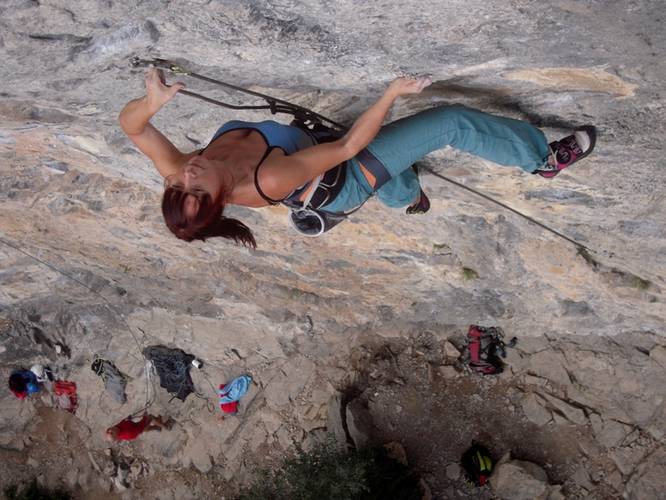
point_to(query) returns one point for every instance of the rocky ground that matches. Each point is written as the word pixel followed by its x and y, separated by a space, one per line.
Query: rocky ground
pixel 367 322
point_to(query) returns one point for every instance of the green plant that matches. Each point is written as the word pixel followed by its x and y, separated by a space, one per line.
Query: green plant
pixel 441 248
pixel 328 471
pixel 640 283
pixel 469 273
pixel 591 261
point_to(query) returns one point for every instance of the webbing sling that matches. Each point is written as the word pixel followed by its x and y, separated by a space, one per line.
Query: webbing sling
pixel 274 104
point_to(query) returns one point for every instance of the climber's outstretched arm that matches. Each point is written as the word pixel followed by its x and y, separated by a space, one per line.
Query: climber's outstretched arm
pixel 135 121
pixel 282 174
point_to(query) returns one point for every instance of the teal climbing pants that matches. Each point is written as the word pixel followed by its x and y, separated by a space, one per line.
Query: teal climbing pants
pixel 401 143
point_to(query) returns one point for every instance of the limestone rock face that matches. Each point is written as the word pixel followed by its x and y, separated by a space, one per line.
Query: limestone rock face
pixel 519 480
pixel 87 264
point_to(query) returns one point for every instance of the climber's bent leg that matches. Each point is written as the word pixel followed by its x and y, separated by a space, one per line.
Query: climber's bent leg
pixel 401 190
pixel 501 140
pixel 401 143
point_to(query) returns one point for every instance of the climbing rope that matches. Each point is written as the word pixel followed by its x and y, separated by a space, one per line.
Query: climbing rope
pixel 579 246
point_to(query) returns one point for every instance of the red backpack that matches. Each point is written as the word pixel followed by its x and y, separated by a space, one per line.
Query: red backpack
pixel 485 348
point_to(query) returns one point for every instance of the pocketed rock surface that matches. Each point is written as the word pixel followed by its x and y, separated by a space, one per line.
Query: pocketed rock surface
pixel 310 319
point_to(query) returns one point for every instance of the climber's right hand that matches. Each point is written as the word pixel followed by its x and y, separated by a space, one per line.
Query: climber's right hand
pixel 157 91
pixel 408 85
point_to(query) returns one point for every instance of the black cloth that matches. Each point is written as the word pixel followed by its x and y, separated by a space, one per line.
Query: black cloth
pixel 173 369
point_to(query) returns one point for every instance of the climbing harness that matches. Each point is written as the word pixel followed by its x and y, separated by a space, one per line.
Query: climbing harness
pixel 485 349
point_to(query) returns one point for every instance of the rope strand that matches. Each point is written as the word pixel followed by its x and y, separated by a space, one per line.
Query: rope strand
pixel 579 246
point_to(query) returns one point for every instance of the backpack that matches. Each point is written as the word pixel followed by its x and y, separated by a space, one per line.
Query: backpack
pixel 477 464
pixel 485 348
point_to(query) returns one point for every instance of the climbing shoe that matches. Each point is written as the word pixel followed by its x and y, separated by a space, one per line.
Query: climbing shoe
pixel 569 150
pixel 421 206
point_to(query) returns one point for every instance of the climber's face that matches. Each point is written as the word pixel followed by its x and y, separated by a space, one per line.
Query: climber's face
pixel 198 178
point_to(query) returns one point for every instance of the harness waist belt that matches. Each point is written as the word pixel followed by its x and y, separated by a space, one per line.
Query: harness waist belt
pixel 375 167
pixel 329 186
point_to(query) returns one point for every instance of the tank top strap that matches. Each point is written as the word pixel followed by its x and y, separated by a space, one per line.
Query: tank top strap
pixel 256 177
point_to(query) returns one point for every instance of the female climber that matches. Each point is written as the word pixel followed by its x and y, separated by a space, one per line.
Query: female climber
pixel 259 164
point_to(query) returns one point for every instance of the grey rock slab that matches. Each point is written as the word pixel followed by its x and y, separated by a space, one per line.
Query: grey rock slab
pixel 271 420
pixel 450 350
pixel 561 195
pixel 572 308
pixel 284 389
pixel 646 481
pixel 534 409
pixel 627 458
pixel 448 372
pixel 232 454
pixel 549 365
pixel 572 413
pixel 334 419
pixel 359 423
pixel 284 438
pixel 582 478
pixel 536 381
pixel 257 438
pixel 610 433
pixel 555 493
pixel 16 416
pixel 453 471
pixel 658 354
pixel 123 40
pixel 203 445
pixel 519 480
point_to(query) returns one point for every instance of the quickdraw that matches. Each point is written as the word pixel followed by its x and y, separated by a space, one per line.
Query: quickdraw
pixel 273 104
